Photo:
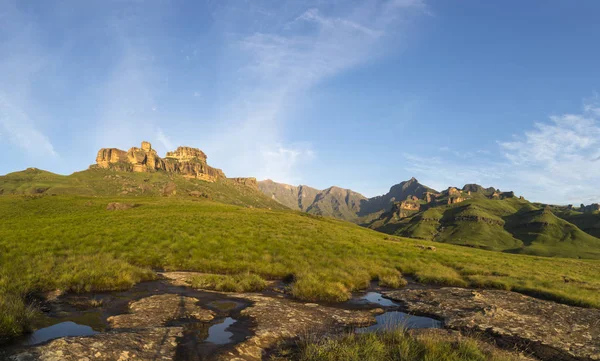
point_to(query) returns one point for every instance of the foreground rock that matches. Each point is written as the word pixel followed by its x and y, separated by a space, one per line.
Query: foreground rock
pixel 141 334
pixel 150 344
pixel 278 319
pixel 550 330
pixel 156 311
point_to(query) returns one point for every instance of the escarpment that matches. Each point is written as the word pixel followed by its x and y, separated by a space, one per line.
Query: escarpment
pixel 186 161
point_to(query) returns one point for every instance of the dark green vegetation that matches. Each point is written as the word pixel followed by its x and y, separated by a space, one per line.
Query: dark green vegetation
pixel 510 225
pixel 392 345
pixel 73 243
pixel 472 216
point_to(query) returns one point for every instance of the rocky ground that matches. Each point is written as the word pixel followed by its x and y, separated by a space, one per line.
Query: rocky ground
pixel 550 330
pixel 157 327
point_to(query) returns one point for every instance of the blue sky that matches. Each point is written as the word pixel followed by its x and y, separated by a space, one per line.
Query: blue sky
pixel 359 94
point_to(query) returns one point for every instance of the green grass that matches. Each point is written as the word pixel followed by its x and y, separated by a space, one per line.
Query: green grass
pixel 73 243
pixel 510 225
pixel 392 345
pixel 15 316
pixel 229 283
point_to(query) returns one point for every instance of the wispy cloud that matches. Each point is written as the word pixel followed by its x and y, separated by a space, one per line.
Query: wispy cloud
pixel 294 56
pixel 22 59
pixel 556 161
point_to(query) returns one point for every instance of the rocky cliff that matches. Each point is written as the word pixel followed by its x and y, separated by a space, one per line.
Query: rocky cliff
pixel 186 161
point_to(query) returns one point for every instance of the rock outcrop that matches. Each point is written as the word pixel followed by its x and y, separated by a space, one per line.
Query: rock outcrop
pixel 249 181
pixel 454 200
pixel 186 161
pixel 156 311
pixel 594 207
pixel 550 330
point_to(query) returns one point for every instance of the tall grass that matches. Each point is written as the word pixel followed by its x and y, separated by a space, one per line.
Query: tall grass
pixel 75 244
pixel 226 283
pixel 392 345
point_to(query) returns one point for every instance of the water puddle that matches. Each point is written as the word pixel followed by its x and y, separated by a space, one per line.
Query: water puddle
pixel 218 334
pixel 396 319
pixel 377 298
pixel 225 306
pixel 58 330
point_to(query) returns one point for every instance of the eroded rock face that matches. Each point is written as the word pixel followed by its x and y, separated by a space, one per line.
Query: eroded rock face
pixel 186 161
pixel 187 153
pixel 156 311
pixel 107 156
pixel 250 181
pixel 454 200
pixel 552 331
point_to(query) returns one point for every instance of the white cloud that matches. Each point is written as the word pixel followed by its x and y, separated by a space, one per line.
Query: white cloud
pixel 555 162
pixel 164 140
pixel 283 61
pixel 279 162
pixel 22 59
pixel 21 132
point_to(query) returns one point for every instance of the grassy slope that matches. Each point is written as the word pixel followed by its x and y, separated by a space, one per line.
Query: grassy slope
pixel 103 182
pixel 67 242
pixel 587 222
pixel 511 225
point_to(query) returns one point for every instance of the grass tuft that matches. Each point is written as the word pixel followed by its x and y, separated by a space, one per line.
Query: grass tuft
pixel 237 283
pixel 392 345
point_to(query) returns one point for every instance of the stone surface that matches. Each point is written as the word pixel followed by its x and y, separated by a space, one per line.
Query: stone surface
pixel 552 331
pixel 278 319
pixel 107 156
pixel 116 206
pixel 249 181
pixel 156 311
pixel 186 161
pixel 187 153
pixel 150 344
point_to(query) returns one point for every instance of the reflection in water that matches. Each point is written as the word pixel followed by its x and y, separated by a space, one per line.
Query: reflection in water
pixel 62 329
pixel 376 297
pixel 395 319
pixel 218 334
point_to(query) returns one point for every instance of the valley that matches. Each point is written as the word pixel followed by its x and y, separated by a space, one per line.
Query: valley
pixel 116 236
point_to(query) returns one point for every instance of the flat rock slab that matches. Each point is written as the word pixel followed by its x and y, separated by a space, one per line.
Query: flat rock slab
pixel 552 331
pixel 156 311
pixel 277 319
pixel 149 344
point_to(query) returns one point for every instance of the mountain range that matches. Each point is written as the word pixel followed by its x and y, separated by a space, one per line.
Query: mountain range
pixel 471 216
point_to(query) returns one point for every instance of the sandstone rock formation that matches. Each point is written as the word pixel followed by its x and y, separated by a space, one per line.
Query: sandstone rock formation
pixel 248 181
pixel 454 200
pixel 186 161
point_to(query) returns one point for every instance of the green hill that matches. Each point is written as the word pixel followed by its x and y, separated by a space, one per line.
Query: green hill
pixel 509 225
pixel 107 182
pixel 74 243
